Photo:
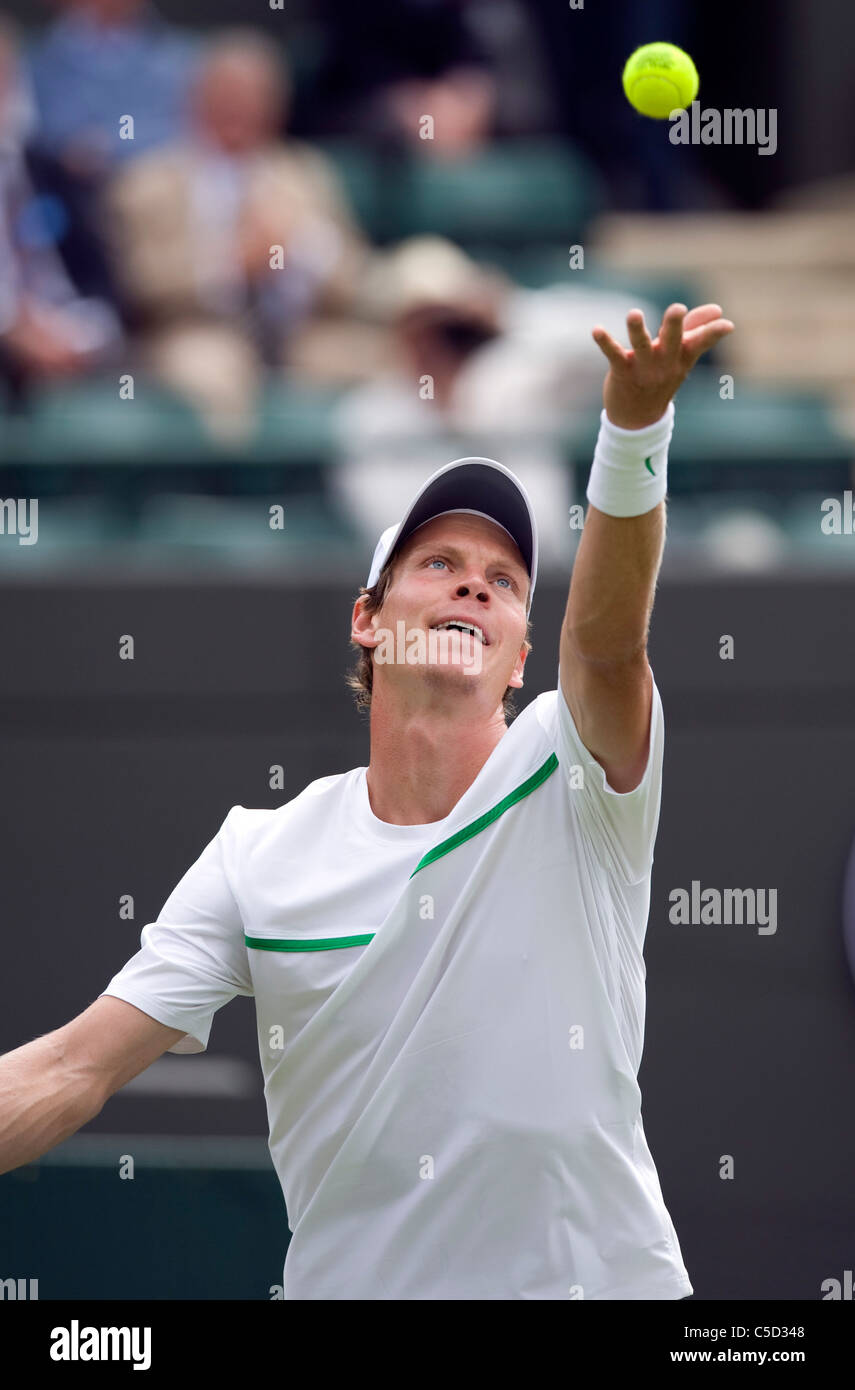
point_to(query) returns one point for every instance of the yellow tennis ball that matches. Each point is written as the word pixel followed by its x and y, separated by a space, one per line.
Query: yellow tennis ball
pixel 660 78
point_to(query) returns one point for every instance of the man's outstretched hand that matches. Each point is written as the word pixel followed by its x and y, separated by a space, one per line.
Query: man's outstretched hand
pixel 643 378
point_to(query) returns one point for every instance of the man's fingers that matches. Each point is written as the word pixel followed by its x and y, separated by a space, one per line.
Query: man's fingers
pixel 607 344
pixel 638 334
pixel 671 332
pixel 704 313
pixel 700 340
pixel 684 336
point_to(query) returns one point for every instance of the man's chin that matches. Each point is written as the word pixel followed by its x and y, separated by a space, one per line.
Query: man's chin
pixel 453 675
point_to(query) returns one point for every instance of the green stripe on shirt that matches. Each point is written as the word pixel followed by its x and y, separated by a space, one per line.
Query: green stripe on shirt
pixel 488 817
pixel 305 943
pixel 264 943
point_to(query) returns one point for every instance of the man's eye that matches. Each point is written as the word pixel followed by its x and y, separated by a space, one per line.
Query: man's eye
pixel 437 560
pixel 504 577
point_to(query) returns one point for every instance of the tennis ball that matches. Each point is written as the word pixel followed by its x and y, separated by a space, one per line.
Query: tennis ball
pixel 660 78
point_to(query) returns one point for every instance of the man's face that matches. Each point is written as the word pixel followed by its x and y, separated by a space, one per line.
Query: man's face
pixel 458 569
pixel 238 102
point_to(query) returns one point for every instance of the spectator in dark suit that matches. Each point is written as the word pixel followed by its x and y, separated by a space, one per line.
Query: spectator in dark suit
pixel 392 61
pixel 46 328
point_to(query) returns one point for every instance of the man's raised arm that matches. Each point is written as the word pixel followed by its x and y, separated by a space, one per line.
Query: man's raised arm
pixel 605 675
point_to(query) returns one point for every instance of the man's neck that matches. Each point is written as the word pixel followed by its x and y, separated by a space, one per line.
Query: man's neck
pixel 423 760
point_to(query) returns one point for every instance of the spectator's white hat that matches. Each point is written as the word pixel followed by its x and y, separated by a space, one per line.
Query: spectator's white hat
pixel 428 271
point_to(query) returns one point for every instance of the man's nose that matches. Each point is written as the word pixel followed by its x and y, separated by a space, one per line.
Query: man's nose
pixel 474 585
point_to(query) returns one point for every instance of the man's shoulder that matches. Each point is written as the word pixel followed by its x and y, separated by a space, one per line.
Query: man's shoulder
pixel 249 822
pixel 539 713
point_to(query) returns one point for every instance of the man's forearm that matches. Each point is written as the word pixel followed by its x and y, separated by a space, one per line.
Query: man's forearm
pixel 614 584
pixel 41 1101
pixel 619 555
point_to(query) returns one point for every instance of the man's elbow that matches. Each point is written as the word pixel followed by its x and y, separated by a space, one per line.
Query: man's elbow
pixel 605 652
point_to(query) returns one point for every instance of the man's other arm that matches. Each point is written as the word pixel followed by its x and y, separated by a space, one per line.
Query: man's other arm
pixel 51 1087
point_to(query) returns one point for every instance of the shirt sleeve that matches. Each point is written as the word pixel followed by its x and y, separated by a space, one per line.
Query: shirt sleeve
pixel 620 827
pixel 192 959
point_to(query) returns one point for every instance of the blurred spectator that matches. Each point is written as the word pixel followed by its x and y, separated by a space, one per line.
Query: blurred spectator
pixel 100 63
pixel 227 243
pixel 103 60
pixel 46 328
pixel 393 61
pixel 476 364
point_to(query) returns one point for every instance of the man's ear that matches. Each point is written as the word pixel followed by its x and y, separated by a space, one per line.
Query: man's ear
pixel 516 679
pixel 362 624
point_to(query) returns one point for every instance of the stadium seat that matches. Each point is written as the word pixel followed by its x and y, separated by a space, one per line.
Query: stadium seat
pixel 88 422
pixel 772 426
pixel 726 241
pixel 237 531
pixel 513 193
pixel 295 424
pixel 535 267
pixel 358 171
pixel 778 441
pixel 802 523
pixel 70 530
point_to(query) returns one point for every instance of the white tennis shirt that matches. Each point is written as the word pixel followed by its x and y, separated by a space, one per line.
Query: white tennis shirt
pixel 450 1024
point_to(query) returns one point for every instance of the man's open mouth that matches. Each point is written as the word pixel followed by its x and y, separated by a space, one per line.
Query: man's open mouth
pixel 456 625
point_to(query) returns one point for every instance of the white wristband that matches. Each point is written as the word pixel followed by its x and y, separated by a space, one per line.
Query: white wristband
pixel 629 472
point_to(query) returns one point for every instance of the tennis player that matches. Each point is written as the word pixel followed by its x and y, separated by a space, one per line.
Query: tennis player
pixel 445 947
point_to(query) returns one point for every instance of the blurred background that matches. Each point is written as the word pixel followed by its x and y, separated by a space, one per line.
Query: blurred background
pixel 256 284
pixel 303 263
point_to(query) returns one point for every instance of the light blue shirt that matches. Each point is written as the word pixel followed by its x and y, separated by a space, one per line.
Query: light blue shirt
pixel 86 77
